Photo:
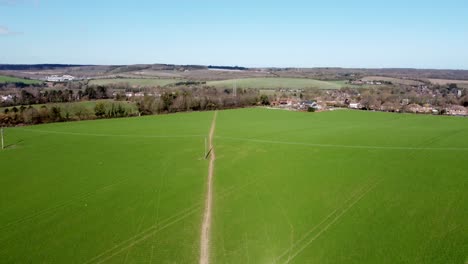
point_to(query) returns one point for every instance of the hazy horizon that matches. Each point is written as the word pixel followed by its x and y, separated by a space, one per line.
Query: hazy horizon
pixel 296 34
pixel 242 66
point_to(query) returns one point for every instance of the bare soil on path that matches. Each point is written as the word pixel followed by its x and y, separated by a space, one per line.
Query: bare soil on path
pixel 206 225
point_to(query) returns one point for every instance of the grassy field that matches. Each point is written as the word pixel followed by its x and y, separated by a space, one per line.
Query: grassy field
pixel 104 191
pixel 136 82
pixel 340 187
pixel 8 79
pixel 277 83
pixel 289 187
pixel 460 83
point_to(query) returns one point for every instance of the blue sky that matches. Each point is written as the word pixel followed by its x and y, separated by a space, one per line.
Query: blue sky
pixel 333 33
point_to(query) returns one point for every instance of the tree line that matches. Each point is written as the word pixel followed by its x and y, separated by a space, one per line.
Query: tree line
pixel 169 101
pixel 36 96
pixel 32 115
pixel 199 99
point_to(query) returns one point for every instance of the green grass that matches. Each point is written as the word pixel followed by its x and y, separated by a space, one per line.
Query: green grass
pixel 107 190
pixel 330 187
pixel 276 83
pixel 293 177
pixel 8 79
pixel 136 82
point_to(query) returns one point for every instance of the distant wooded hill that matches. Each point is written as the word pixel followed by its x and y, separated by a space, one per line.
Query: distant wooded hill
pixel 24 67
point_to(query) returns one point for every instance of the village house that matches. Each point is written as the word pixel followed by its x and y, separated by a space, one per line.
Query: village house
pixel 405 102
pixel 304 105
pixel 456 110
pixel 355 106
pixel 6 98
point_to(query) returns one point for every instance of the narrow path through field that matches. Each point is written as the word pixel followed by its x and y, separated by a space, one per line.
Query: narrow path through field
pixel 206 225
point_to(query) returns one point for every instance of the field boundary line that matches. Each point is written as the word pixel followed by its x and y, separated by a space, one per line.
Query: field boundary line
pixel 106 135
pixel 341 146
pixel 338 217
pixel 206 224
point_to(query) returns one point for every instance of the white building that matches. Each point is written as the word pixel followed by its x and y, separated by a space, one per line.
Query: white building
pixel 355 105
pixel 56 78
pixel 5 98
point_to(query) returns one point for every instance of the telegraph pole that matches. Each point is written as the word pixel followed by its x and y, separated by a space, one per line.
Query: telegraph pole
pixel 1 132
pixel 235 88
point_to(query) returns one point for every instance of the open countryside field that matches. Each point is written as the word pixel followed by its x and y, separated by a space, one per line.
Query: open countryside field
pixel 105 191
pixel 460 83
pixel 276 83
pixel 8 79
pixel 289 187
pixel 144 82
pixel 392 80
pixel 340 187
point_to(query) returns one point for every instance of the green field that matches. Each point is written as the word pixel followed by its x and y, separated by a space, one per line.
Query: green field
pixel 340 187
pixel 8 79
pixel 136 82
pixel 277 83
pixel 289 187
pixel 106 190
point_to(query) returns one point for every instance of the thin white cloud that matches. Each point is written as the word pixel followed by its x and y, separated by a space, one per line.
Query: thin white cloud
pixel 4 31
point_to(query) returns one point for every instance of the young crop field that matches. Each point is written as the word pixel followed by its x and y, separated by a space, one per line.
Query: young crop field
pixel 144 82
pixel 340 187
pixel 104 191
pixel 287 187
pixel 277 83
pixel 8 79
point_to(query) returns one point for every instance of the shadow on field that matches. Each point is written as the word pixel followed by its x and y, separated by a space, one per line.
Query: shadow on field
pixel 14 145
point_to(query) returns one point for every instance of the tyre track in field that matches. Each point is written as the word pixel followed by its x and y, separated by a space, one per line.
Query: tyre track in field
pixel 63 204
pixel 301 245
pixel 150 231
pixel 145 234
pixel 206 224
pixel 324 220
